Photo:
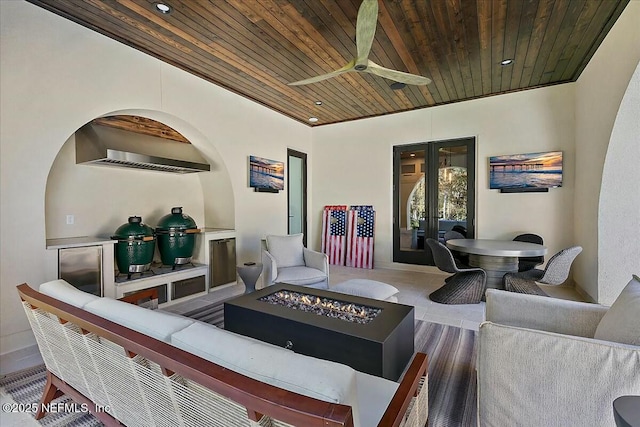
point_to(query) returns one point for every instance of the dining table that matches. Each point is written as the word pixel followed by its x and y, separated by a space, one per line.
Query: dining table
pixel 495 257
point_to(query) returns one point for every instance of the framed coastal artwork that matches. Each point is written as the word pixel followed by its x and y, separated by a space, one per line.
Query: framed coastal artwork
pixel 265 174
pixel 526 171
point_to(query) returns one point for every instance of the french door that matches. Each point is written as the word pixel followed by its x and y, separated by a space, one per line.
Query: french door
pixel 297 193
pixel 433 192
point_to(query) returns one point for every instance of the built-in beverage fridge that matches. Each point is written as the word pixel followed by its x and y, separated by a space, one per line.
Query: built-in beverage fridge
pixel 222 265
pixel 82 267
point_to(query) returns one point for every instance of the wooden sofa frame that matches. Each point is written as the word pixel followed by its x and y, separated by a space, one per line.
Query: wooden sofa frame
pixel 259 399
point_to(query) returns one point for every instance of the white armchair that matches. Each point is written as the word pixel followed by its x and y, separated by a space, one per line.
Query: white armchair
pixel 540 365
pixel 286 260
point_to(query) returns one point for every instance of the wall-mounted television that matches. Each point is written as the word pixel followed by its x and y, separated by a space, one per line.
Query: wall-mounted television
pixel 526 172
pixel 265 174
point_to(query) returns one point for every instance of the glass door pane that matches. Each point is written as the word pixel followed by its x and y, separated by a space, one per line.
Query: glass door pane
pixel 434 192
pixel 412 204
pixel 452 190
pixel 297 193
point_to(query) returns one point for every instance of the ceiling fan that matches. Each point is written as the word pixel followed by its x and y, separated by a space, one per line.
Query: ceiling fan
pixel 365 30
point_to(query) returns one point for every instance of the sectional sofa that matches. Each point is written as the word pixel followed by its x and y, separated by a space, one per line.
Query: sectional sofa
pixel 145 367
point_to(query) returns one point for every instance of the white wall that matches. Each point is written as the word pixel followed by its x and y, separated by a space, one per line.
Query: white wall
pixel 56 76
pixel 619 216
pixel 359 154
pixel 102 198
pixel 599 91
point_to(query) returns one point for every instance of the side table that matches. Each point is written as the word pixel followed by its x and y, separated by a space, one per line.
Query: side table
pixel 249 273
pixel 626 411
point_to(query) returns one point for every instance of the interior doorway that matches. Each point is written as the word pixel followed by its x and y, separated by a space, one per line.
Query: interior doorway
pixel 434 191
pixel 297 193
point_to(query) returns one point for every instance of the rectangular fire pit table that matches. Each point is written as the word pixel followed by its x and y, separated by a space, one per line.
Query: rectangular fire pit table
pixel 381 347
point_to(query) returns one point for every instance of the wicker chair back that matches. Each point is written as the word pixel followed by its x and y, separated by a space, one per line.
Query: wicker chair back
pixel 527 263
pixel 559 265
pixel 449 235
pixel 442 256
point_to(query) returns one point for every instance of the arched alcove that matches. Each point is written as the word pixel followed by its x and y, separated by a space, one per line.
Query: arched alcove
pixel 99 199
pixel 619 205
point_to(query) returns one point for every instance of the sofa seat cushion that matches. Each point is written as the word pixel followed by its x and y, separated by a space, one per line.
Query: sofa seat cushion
pixel 368 289
pixel 320 379
pixel 66 292
pixel 287 250
pixel 300 275
pixel 154 323
pixel 621 323
pixel 374 396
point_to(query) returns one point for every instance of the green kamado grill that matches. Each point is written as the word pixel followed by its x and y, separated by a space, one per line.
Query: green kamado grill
pixel 135 247
pixel 176 237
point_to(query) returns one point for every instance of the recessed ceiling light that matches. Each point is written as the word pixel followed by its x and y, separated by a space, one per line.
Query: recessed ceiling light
pixel 397 86
pixel 412 154
pixel 318 102
pixel 506 62
pixel 313 119
pixel 163 8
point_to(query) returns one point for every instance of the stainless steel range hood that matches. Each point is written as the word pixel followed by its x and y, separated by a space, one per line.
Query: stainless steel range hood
pixel 107 146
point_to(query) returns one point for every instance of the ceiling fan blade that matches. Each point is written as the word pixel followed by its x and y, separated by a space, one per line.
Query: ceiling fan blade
pixel 346 68
pixel 366 29
pixel 398 76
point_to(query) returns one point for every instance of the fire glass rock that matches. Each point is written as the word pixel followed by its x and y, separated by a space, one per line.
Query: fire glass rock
pixel 328 307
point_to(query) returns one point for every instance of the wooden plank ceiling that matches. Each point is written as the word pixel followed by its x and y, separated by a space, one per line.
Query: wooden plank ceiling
pixel 141 125
pixel 256 47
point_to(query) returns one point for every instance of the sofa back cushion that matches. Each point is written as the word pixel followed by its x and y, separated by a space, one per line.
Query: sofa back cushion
pixel 154 323
pixel 66 292
pixel 287 250
pixel 320 379
pixel 621 323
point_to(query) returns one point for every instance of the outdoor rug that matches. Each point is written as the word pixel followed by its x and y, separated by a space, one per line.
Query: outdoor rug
pixel 452 376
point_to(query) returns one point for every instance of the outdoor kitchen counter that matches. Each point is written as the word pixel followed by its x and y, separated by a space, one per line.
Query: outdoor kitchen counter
pixel 213 230
pixel 77 242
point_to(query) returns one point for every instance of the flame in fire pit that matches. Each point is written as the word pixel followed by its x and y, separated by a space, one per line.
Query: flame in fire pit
pixel 323 306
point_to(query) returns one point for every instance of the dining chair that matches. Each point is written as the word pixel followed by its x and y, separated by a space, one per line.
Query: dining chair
pixel 460 229
pixel 466 286
pixel 555 273
pixel 528 263
pixel 460 257
pixel 450 235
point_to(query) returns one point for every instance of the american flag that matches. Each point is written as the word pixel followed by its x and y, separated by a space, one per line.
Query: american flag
pixel 334 233
pixel 360 237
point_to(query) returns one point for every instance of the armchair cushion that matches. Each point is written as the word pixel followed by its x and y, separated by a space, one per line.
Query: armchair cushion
pixel 621 323
pixel 537 378
pixel 543 313
pixel 287 250
pixel 300 275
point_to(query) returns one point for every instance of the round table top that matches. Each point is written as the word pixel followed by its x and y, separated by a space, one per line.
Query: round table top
pixel 506 248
